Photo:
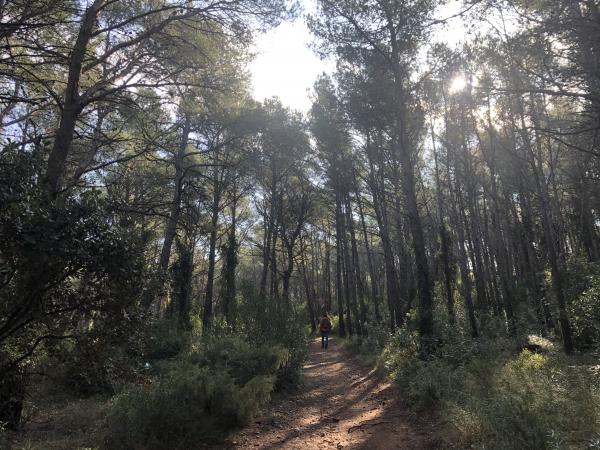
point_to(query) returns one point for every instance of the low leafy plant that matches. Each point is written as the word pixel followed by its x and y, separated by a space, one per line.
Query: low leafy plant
pixel 165 340
pixel 496 397
pixel 198 396
pixel 238 358
pixel 188 406
pixel 584 312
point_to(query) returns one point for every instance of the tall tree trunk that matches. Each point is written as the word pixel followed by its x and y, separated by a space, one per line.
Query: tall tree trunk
pixel 392 288
pixel 329 293
pixel 444 235
pixel 289 268
pixel 373 280
pixel 186 269
pixel 339 266
pixel 535 162
pixel 533 259
pixel 72 106
pixel 403 153
pixel 310 299
pixel 499 241
pixel 350 301
pixel 230 265
pixel 266 252
pixel 212 245
pixel 418 241
pixel 274 279
pixel 157 286
pixel 465 274
pixel 360 310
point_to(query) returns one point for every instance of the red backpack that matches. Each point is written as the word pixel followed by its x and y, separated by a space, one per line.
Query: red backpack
pixel 325 324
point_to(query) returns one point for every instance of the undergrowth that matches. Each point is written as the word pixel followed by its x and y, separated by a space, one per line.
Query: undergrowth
pixel 491 395
pixel 203 390
pixel 185 390
pixel 371 344
pixel 496 392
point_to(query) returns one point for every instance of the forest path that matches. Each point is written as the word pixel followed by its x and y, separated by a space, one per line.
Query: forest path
pixel 341 405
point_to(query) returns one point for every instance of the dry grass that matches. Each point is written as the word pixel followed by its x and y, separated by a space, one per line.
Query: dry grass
pixel 62 424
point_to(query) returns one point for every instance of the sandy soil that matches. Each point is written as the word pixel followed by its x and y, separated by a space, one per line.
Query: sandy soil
pixel 342 405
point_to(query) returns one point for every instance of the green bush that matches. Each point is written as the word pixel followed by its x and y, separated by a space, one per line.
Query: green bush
pixel 494 397
pixel 335 324
pixel 538 403
pixel 261 324
pixel 238 358
pixel 198 396
pixel 584 312
pixel 91 366
pixel 290 335
pixel 371 343
pixel 189 406
pixel 165 340
pixel 97 361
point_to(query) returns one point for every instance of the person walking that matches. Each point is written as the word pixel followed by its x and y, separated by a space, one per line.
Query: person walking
pixel 324 328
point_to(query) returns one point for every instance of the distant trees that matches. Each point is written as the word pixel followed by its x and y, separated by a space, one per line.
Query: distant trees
pixel 429 187
pixel 388 34
pixel 466 165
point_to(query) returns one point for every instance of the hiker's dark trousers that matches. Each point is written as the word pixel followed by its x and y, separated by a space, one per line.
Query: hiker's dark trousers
pixel 324 339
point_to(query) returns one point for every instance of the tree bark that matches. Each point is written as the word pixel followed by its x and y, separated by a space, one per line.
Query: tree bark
pixel 229 294
pixel 373 281
pixel 72 106
pixel 208 298
pixel 157 286
pixel 339 266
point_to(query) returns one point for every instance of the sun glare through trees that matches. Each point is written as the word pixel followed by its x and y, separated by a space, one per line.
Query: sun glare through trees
pixel 316 224
pixel 457 84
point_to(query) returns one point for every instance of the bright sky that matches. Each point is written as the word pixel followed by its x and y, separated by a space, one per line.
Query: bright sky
pixel 285 67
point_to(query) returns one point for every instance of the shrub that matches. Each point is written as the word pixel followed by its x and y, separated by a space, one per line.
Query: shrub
pixel 99 360
pixel 198 396
pixel 496 397
pixel 335 324
pixel 238 358
pixel 165 340
pixel 262 324
pixel 290 335
pixel 538 403
pixel 584 312
pixel 189 406
pixel 372 342
pixel 90 367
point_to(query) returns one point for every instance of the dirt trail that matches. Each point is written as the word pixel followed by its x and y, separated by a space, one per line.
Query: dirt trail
pixel 342 405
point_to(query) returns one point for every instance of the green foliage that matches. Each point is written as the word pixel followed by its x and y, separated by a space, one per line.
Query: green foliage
pixel 294 338
pixel 372 342
pixel 579 275
pixel 495 397
pixel 199 396
pixel 335 324
pixel 262 324
pixel 83 368
pixel 190 405
pixel 241 360
pixel 165 340
pixel 584 312
pixel 70 273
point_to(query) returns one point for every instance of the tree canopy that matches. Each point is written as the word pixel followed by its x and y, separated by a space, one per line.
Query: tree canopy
pixel 430 189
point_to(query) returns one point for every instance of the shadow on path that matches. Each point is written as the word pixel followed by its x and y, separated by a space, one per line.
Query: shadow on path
pixel 341 405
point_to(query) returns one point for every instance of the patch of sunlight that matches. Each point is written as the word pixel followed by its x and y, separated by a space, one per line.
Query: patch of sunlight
pixel 457 84
pixel 544 343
